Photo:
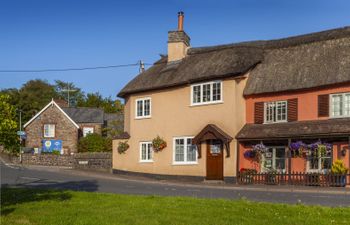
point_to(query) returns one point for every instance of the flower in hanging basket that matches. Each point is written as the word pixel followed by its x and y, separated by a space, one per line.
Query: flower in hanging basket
pixel 158 144
pixel 319 148
pixel 258 150
pixel 249 154
pixel 122 147
pixel 298 149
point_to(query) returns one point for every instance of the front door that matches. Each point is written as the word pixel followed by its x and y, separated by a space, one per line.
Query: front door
pixel 215 161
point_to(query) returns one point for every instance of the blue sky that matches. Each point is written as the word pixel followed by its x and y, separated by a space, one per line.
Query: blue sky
pixel 43 34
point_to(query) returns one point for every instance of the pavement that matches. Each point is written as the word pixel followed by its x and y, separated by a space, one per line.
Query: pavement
pixel 70 179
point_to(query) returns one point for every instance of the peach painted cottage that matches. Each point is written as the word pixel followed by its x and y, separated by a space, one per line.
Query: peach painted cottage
pixel 208 107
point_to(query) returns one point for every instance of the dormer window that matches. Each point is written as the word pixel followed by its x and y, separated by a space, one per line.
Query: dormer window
pixel 206 93
pixel 143 108
pixel 275 112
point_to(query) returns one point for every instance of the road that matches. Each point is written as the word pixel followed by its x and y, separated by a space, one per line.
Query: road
pixel 44 177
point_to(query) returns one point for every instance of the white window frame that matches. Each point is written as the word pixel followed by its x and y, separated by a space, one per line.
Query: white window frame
pixel 273 158
pixel 151 152
pixel 276 112
pixel 88 128
pixel 50 135
pixel 143 108
pixel 211 93
pixel 319 169
pixel 343 105
pixel 185 162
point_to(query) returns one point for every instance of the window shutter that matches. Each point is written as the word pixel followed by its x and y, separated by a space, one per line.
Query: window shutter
pixel 292 110
pixel 259 112
pixel 323 105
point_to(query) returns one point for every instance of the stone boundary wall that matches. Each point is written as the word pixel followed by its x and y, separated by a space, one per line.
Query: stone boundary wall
pixel 93 161
pixel 101 161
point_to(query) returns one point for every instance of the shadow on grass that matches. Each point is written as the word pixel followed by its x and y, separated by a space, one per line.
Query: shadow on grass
pixel 40 191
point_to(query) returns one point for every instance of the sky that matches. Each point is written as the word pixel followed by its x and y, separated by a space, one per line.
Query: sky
pixel 47 34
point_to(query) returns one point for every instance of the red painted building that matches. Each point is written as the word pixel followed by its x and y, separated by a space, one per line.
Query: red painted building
pixel 297 100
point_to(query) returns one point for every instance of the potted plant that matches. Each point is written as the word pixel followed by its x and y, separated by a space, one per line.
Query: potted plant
pixel 122 147
pixel 158 144
pixel 339 170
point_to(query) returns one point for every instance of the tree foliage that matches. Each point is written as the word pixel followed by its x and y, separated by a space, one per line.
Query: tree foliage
pixel 94 143
pixel 8 124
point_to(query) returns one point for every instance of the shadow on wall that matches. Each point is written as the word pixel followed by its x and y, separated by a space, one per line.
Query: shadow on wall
pixel 41 190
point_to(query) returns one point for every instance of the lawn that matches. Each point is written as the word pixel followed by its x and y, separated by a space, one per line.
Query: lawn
pixel 33 206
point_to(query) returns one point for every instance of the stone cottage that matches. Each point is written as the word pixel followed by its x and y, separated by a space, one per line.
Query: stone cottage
pixel 58 127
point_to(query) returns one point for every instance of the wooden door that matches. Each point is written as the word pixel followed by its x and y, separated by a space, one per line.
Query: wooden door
pixel 215 161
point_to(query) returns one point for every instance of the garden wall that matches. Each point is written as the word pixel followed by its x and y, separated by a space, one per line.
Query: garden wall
pixel 101 161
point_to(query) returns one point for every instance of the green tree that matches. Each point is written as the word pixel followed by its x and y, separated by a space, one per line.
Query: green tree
pixel 107 104
pixel 8 124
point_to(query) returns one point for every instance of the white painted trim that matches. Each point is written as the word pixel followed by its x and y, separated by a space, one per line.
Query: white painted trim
pixel 331 105
pixel 279 121
pixel 143 107
pixel 175 163
pixel 47 106
pixel 140 149
pixel 211 93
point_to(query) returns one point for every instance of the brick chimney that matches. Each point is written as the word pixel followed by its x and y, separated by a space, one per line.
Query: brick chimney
pixel 178 41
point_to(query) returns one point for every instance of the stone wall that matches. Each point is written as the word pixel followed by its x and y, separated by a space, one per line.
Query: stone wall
pixel 48 160
pixel 64 130
pixel 101 161
pixel 93 161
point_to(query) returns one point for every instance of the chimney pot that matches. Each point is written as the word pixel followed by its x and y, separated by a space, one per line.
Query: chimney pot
pixel 180 22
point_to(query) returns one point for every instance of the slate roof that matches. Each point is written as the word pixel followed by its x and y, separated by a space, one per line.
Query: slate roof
pixel 299 62
pixel 85 115
pixel 315 128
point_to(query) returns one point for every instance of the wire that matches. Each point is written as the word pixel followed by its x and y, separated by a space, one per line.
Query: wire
pixel 69 69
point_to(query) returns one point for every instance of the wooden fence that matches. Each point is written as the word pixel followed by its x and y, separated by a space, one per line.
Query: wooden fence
pixel 295 178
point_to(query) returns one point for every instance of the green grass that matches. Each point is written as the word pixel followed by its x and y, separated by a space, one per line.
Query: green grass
pixel 31 206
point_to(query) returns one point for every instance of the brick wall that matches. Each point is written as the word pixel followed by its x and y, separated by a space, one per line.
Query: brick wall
pixel 65 130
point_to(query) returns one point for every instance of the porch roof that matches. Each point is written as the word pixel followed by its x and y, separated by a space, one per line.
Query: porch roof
pixel 299 129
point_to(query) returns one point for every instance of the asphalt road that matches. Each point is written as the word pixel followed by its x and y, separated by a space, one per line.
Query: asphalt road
pixel 36 177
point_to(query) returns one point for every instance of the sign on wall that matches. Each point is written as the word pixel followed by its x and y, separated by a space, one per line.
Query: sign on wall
pixel 52 145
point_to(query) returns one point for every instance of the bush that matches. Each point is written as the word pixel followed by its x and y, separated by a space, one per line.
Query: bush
pixel 56 152
pixel 338 167
pixel 94 143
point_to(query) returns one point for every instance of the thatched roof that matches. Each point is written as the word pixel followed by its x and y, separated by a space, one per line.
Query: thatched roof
pixel 315 128
pixel 299 62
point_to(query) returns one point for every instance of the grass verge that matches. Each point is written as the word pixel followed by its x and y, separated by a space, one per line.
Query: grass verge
pixel 34 206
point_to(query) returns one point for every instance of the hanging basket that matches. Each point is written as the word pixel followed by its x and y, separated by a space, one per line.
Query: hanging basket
pixel 122 147
pixel 158 144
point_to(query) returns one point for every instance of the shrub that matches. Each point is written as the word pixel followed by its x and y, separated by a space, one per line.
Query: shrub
pixel 56 152
pixel 94 143
pixel 338 167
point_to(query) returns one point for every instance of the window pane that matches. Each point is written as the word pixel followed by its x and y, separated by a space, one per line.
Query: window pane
pixel 196 94
pixel 191 151
pixel 149 151
pixel 139 108
pixel 217 91
pixel 326 163
pixel 347 105
pixel 337 105
pixel 143 152
pixel 179 150
pixel 206 92
pixel 147 110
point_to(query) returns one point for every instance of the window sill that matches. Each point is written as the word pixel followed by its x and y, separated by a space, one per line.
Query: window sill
pixel 206 103
pixel 144 117
pixel 276 122
pixel 338 117
pixel 150 161
pixel 184 163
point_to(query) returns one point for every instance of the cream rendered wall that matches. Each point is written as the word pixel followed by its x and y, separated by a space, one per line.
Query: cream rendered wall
pixel 173 116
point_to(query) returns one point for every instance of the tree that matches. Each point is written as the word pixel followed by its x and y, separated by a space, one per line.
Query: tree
pixel 33 96
pixel 107 104
pixel 8 124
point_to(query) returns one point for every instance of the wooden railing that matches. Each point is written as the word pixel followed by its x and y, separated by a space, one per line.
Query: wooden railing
pixel 295 178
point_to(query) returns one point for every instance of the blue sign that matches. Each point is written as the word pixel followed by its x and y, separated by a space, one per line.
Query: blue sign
pixel 21 133
pixel 52 145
